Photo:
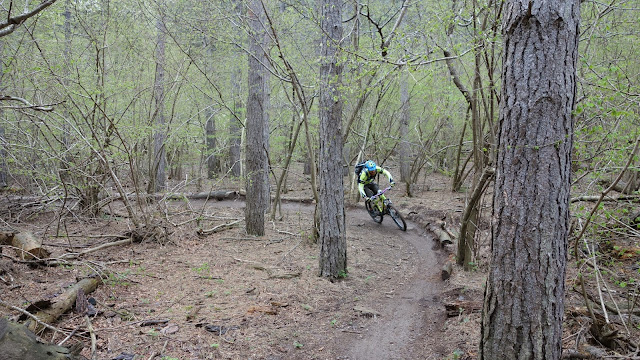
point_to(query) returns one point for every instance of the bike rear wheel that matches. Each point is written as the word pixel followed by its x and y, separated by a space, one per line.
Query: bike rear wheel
pixel 397 218
pixel 373 212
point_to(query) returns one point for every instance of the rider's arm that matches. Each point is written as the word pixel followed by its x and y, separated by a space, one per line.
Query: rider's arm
pixel 387 174
pixel 361 179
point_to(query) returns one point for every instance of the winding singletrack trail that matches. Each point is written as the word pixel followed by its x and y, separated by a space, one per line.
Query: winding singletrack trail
pixel 411 319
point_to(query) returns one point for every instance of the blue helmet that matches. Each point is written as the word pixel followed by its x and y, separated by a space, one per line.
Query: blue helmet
pixel 371 167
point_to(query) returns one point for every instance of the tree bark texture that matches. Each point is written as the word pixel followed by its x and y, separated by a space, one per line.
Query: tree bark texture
pixel 524 296
pixel 331 236
pixel 256 202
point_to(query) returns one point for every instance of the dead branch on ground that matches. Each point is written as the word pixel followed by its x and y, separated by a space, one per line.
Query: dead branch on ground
pixel 64 303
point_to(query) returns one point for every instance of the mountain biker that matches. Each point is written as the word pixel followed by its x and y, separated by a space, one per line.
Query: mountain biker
pixel 366 180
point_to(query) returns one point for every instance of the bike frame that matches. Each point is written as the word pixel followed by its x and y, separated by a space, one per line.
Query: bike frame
pixel 374 198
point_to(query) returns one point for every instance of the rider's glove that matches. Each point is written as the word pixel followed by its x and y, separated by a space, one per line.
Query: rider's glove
pixel 364 196
pixel 392 183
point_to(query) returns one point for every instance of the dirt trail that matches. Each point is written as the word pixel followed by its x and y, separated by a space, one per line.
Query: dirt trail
pixel 412 317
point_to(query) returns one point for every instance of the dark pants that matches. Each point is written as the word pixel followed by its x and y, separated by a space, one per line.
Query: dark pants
pixel 371 189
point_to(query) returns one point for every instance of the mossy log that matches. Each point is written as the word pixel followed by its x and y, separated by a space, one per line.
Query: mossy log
pixel 18 343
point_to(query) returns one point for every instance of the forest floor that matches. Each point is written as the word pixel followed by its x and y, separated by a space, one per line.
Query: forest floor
pixel 231 296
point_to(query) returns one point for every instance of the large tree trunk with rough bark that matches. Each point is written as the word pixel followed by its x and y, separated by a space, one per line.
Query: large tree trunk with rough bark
pixel 524 296
pixel 331 232
pixel 257 195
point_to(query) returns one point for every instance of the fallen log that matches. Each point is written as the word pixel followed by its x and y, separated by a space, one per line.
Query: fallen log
pixel 447 270
pixel 442 235
pixel 211 195
pixel 18 343
pixel 457 308
pixel 218 228
pixel 569 354
pixel 94 249
pixel 595 198
pixel 26 245
pixel 64 303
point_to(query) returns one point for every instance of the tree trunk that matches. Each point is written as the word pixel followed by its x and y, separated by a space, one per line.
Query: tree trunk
pixel 468 227
pixel 213 164
pixel 281 182
pixel 404 149
pixel 267 104
pixel 235 132
pixel 256 203
pixel 235 121
pixel 332 232
pixel 160 159
pixel 467 238
pixel 524 296
pixel 66 71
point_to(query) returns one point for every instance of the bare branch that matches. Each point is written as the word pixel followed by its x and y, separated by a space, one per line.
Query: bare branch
pixel 27 104
pixel 8 26
pixel 403 11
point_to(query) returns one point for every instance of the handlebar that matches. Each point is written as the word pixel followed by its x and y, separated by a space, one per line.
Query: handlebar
pixel 380 192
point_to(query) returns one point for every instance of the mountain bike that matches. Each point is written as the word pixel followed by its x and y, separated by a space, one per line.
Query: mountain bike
pixel 378 208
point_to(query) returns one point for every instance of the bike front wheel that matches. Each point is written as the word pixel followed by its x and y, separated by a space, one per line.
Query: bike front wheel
pixel 397 218
pixel 373 212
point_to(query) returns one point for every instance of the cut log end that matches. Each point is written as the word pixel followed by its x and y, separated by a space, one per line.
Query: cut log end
pixel 27 246
pixel 447 270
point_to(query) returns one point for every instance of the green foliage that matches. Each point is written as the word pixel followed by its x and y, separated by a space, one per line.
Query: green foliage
pixel 457 354
pixel 117 279
pixel 202 269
